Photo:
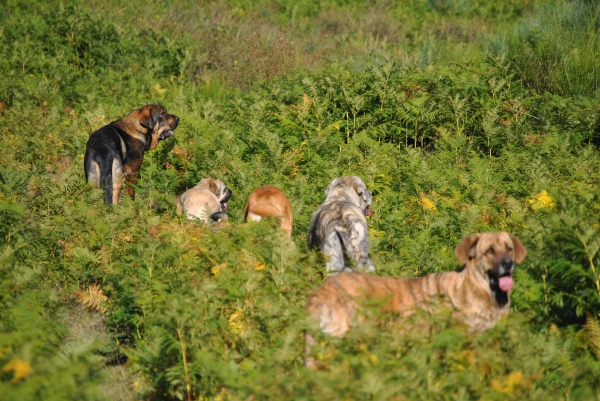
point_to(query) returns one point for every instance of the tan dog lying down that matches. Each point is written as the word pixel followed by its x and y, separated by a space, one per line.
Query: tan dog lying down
pixel 268 201
pixel 479 292
pixel 206 201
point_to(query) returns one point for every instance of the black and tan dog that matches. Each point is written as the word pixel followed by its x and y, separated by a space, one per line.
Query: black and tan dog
pixel 269 201
pixel 115 152
pixel 478 293
pixel 339 227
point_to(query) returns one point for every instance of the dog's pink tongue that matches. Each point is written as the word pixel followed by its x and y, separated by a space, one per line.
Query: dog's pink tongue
pixel 506 283
pixel 368 211
pixel 224 206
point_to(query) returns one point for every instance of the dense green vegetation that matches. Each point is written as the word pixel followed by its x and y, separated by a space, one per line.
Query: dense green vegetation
pixel 460 116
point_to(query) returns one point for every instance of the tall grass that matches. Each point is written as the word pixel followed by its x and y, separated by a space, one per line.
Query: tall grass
pixel 557 49
pixel 65 49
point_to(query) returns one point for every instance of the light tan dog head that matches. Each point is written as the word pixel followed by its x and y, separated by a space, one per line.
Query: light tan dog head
pixel 353 189
pixel 218 188
pixel 494 255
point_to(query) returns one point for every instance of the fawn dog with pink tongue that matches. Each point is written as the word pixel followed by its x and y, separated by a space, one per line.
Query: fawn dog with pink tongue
pixel 506 283
pixel 478 292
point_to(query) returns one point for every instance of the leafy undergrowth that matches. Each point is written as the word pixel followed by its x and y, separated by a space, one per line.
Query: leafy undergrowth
pixel 133 302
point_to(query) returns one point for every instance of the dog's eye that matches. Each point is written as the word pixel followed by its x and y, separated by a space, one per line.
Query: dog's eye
pixel 509 249
pixel 490 251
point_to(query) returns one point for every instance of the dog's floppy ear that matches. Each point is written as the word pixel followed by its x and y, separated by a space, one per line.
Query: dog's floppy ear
pixel 359 186
pixel 213 187
pixel 149 117
pixel 331 186
pixel 361 189
pixel 462 250
pixel 520 251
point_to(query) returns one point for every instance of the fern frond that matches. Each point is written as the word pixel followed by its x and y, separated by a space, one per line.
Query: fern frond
pixel 93 298
pixel 591 329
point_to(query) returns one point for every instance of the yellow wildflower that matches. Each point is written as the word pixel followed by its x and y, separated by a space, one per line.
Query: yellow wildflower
pixel 235 324
pixel 515 379
pixel 158 90
pixel 19 368
pixel 216 269
pixel 426 204
pixel 542 201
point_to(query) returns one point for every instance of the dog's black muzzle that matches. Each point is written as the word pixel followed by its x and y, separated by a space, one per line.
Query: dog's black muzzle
pixel 505 268
pixel 228 194
pixel 169 133
pixel 501 281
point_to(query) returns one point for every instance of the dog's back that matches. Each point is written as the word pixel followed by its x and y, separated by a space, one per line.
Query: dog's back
pixel 339 228
pixel 268 201
pixel 103 162
pixel 341 291
pixel 264 202
pixel 336 303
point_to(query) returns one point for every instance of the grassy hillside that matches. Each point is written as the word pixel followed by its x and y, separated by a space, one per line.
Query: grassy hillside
pixel 460 116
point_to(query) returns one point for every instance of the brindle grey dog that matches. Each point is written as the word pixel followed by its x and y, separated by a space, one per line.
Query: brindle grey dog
pixel 339 228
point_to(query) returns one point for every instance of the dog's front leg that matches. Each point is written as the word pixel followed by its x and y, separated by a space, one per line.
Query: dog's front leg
pixel 131 179
pixel 309 341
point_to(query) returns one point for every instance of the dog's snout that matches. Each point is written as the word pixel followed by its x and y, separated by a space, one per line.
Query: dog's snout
pixel 507 264
pixel 176 122
pixel 227 194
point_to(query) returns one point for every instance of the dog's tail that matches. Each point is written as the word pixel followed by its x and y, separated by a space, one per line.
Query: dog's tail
pixel 100 176
pixel 105 175
pixel 223 216
pixel 106 182
pixel 356 255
